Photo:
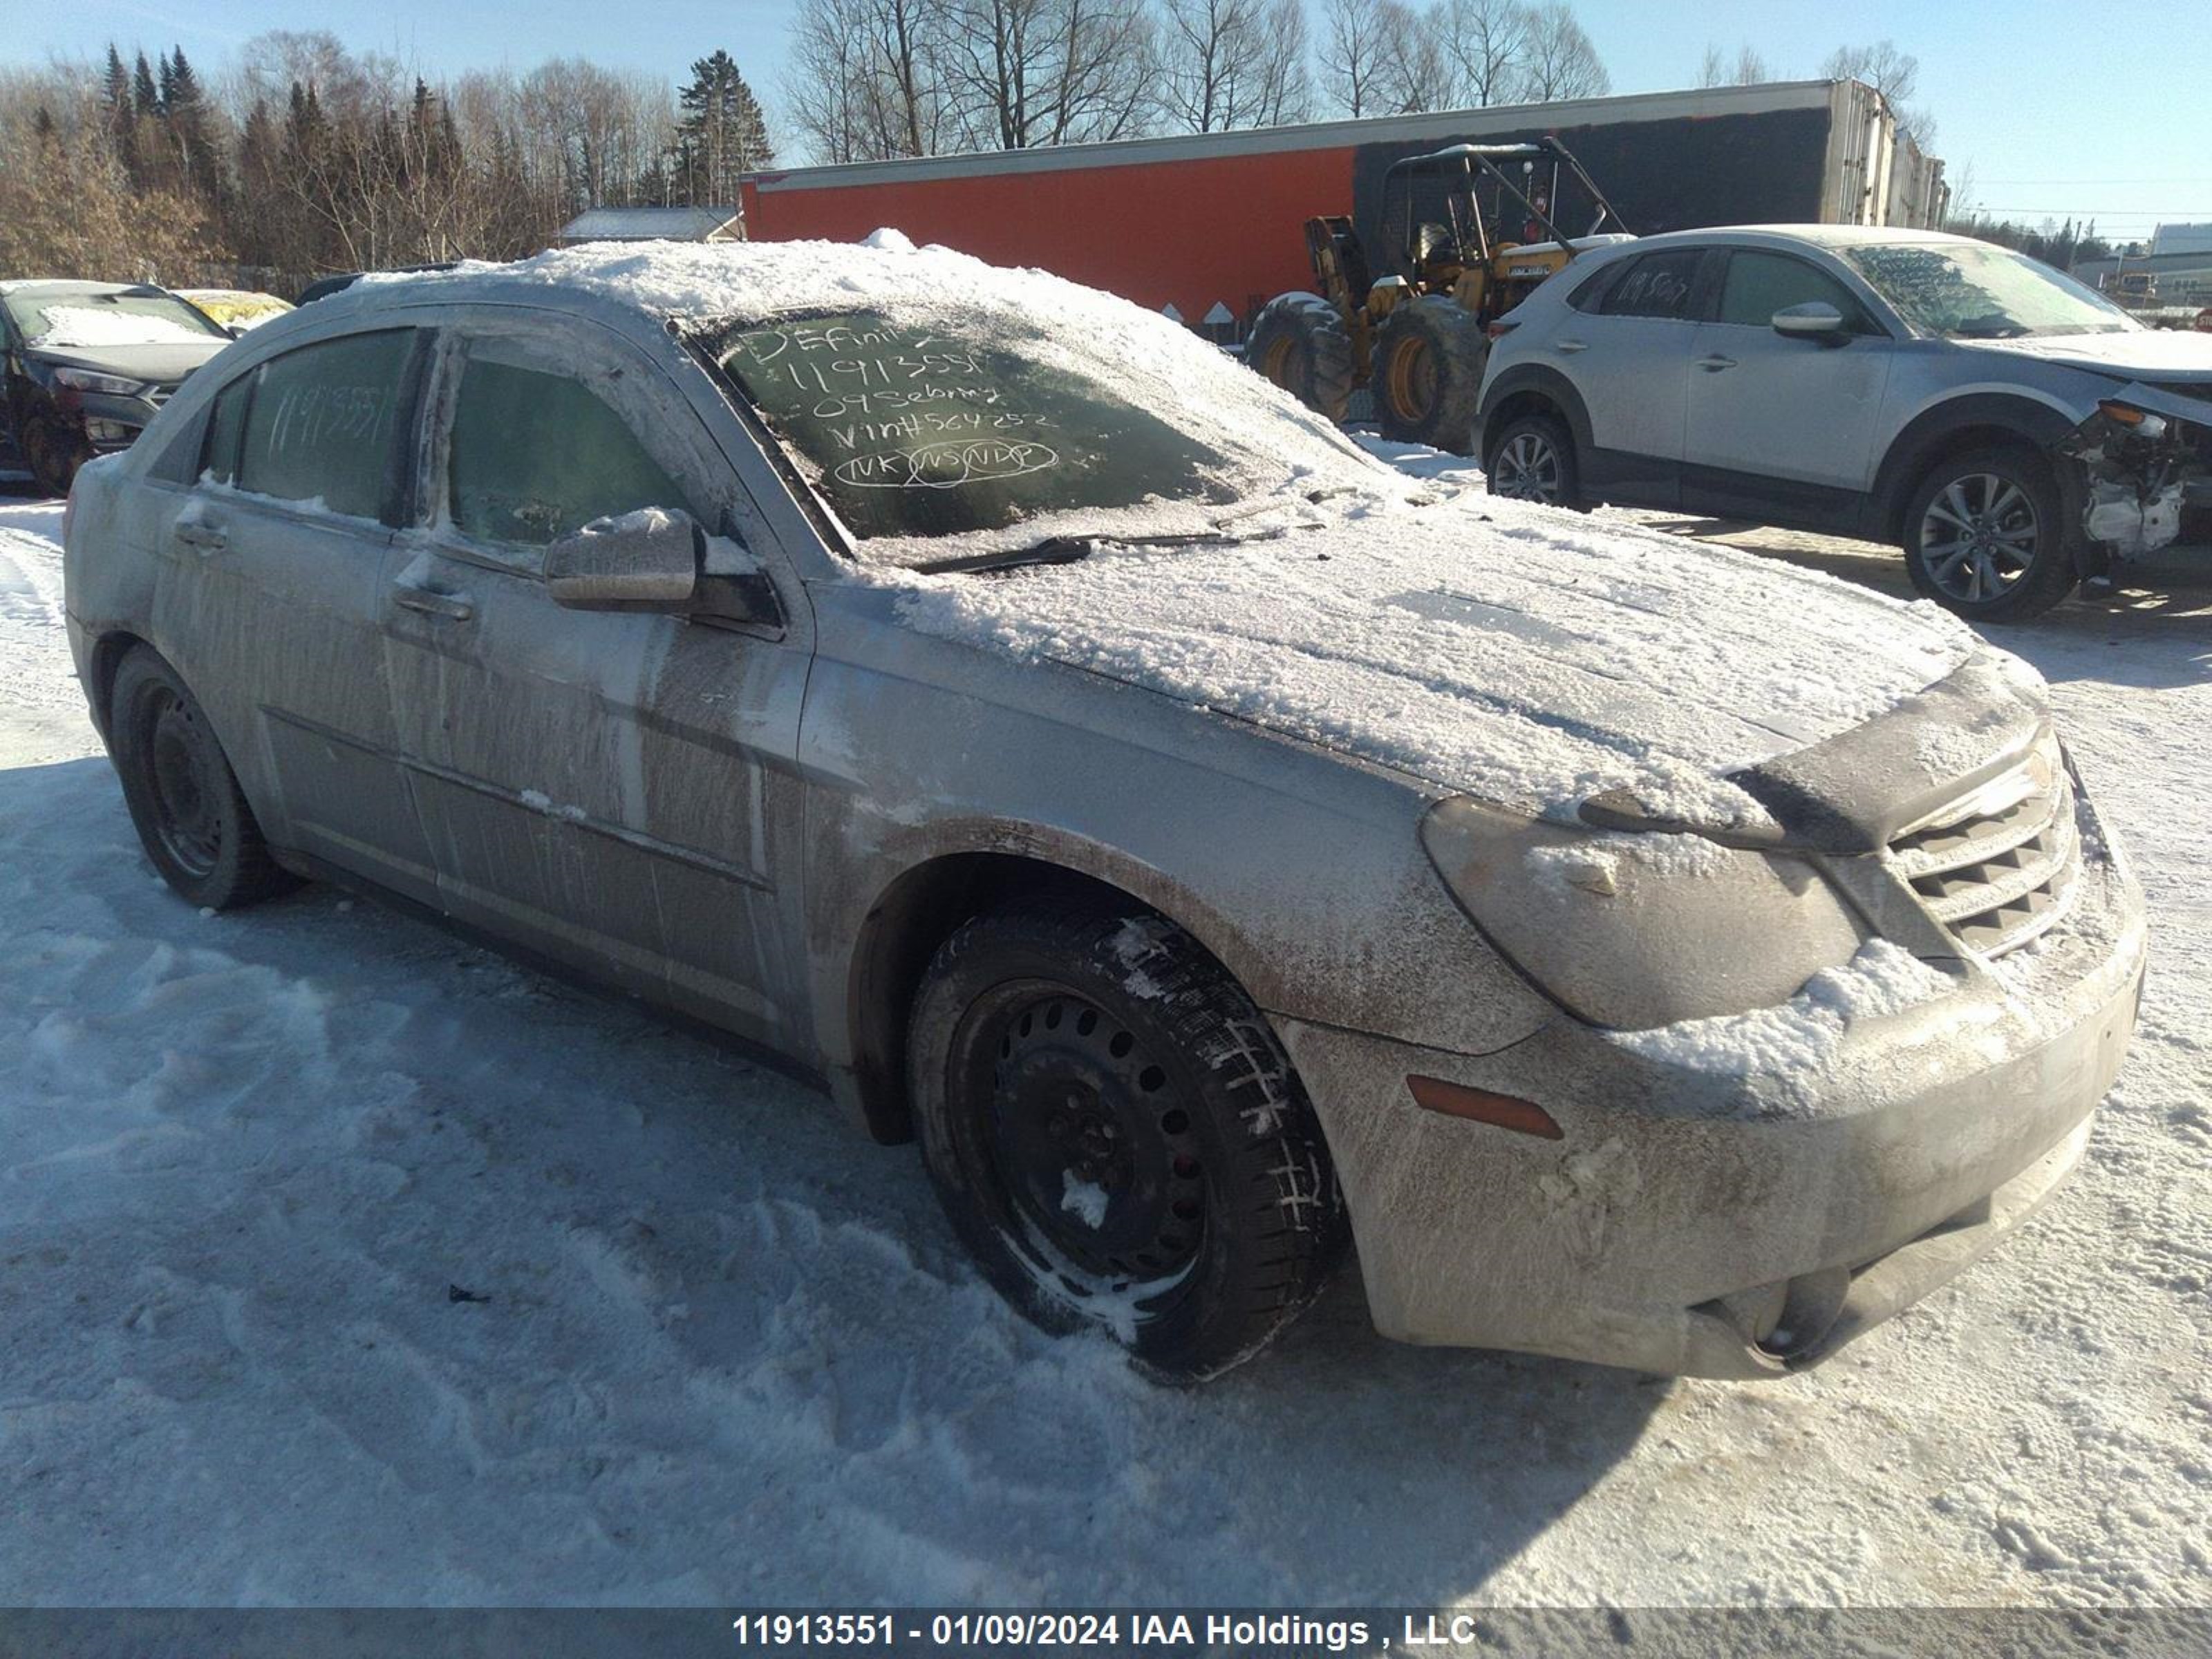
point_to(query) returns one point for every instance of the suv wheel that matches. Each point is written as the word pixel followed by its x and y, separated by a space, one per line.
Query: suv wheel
pixel 1533 459
pixel 1984 537
pixel 1118 1138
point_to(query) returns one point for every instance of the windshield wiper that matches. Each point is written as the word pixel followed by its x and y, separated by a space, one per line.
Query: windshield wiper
pixel 1053 550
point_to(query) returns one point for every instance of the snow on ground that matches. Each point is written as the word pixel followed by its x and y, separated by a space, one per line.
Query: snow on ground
pixel 342 1263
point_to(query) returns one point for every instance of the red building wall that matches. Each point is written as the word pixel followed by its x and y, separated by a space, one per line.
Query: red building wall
pixel 1186 233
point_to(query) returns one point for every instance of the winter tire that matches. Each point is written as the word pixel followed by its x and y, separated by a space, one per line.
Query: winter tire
pixel 1533 459
pixel 1117 1136
pixel 1429 354
pixel 183 796
pixel 1300 343
pixel 1984 537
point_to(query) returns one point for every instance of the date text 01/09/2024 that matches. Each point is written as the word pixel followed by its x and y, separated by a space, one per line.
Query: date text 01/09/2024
pixel 1049 1630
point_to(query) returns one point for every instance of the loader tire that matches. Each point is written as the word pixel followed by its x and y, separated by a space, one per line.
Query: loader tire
pixel 1429 359
pixel 1300 342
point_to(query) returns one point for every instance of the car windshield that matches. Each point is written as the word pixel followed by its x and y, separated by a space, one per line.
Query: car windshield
pixel 1974 291
pixel 924 430
pixel 61 317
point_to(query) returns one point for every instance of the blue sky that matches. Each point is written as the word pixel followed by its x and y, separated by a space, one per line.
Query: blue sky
pixel 2057 112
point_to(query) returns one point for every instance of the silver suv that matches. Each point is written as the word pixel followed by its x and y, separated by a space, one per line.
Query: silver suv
pixel 2010 429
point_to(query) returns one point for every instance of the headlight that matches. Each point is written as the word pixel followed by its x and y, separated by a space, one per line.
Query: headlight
pixel 1633 930
pixel 83 379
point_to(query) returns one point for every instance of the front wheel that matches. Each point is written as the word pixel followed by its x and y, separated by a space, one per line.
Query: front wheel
pixel 1533 459
pixel 1118 1138
pixel 190 815
pixel 1984 537
pixel 53 452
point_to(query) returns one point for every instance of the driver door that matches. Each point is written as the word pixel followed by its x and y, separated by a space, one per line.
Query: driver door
pixel 1778 425
pixel 615 791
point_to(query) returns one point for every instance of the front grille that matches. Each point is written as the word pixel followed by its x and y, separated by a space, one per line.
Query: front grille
pixel 1994 872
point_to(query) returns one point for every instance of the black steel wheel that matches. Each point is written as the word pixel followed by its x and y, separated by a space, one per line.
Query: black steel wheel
pixel 1533 459
pixel 184 799
pixel 1118 1138
pixel 1984 537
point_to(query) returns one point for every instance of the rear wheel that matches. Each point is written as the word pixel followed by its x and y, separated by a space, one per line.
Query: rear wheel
pixel 1533 459
pixel 183 798
pixel 1984 537
pixel 1300 343
pixel 1118 1138
pixel 1429 357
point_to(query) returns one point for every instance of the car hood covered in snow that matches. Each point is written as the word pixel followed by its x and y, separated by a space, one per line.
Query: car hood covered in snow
pixel 1520 654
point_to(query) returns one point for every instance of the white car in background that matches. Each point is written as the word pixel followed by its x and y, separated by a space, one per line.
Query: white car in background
pixel 2012 430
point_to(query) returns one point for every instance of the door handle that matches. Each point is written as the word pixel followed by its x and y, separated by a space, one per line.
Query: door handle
pixel 433 602
pixel 203 534
pixel 1715 363
pixel 1570 346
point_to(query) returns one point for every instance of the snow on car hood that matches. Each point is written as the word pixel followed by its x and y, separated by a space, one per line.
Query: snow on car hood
pixel 2133 354
pixel 1527 656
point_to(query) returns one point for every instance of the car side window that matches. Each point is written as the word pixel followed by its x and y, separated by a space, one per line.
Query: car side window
pixel 1759 284
pixel 226 426
pixel 1656 285
pixel 535 454
pixel 318 424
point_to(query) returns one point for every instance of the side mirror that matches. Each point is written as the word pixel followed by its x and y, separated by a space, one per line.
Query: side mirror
pixel 236 331
pixel 1816 319
pixel 648 560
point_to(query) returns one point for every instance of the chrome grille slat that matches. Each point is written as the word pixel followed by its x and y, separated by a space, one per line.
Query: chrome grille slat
pixel 1994 880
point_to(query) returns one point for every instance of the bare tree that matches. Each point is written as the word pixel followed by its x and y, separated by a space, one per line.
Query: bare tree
pixel 1227 63
pixel 1487 43
pixel 1412 72
pixel 1349 55
pixel 1019 73
pixel 1895 74
pixel 1561 61
pixel 1748 69
pixel 874 66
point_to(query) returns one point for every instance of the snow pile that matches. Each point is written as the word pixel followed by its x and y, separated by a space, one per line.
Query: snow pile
pixel 1782 1051
pixel 87 326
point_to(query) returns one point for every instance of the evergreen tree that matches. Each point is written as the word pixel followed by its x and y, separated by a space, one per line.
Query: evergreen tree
pixel 145 96
pixel 721 135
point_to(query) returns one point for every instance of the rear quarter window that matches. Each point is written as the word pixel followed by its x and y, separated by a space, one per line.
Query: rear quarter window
pixel 1656 285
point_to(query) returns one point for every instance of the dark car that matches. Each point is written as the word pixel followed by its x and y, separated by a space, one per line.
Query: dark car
pixel 87 365
pixel 323 286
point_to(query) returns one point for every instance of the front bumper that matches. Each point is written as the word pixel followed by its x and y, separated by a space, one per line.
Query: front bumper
pixel 1684 1223
pixel 113 424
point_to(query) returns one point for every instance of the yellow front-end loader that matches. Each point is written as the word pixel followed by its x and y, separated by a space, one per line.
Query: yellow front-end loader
pixel 1418 335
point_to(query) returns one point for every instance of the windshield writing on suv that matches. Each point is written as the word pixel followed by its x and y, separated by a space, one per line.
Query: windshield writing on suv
pixel 907 431
pixel 1979 292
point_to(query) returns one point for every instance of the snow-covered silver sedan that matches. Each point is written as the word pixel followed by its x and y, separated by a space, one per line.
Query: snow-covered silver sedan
pixel 1210 843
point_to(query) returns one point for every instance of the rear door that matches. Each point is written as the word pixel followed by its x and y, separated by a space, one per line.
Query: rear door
pixel 270 596
pixel 1628 356
pixel 617 792
pixel 1780 426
